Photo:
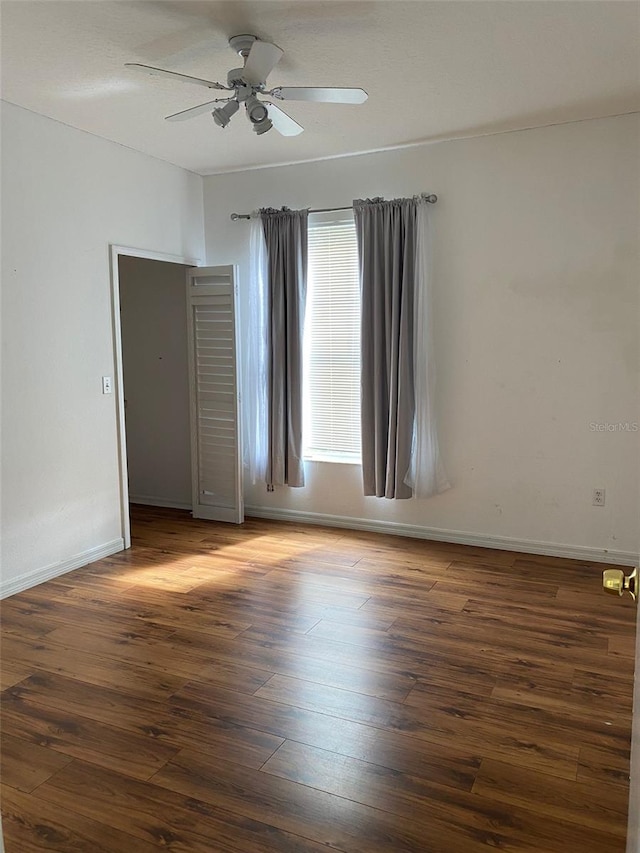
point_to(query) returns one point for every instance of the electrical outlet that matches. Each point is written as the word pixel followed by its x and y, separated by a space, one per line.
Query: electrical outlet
pixel 598 497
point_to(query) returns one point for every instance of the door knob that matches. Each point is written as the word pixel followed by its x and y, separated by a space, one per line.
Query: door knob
pixel 616 582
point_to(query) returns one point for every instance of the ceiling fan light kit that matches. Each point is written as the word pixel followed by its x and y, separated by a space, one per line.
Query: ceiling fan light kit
pixel 223 115
pixel 258 114
pixel 249 82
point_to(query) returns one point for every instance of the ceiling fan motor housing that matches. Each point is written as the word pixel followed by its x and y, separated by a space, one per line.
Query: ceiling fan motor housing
pixel 242 90
pixel 235 78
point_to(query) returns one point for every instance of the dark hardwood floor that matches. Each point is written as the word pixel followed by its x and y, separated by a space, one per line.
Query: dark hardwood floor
pixel 273 688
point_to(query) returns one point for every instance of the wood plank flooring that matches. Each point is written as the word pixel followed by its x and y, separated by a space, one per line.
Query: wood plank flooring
pixel 275 688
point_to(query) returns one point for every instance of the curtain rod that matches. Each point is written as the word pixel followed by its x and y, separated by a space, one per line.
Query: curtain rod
pixel 429 198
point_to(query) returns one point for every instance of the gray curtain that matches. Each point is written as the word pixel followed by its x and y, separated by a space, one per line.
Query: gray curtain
pixel 285 234
pixel 387 244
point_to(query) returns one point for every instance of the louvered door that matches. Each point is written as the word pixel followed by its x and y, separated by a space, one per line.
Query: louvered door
pixel 213 368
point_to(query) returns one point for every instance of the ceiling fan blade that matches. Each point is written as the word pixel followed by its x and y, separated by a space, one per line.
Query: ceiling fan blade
pixel 160 72
pixel 320 95
pixel 192 112
pixel 283 123
pixel 263 58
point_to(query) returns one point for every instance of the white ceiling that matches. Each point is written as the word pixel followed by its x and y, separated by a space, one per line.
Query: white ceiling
pixel 432 70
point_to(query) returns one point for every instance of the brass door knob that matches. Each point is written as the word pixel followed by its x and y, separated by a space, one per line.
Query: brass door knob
pixel 616 582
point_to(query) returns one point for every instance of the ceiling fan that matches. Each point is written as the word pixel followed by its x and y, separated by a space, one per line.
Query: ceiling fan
pixel 249 82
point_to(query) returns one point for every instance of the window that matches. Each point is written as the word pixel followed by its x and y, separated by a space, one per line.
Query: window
pixel 331 427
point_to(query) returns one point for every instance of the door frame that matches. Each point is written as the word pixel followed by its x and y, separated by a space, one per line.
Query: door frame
pixel 115 251
pixel 633 829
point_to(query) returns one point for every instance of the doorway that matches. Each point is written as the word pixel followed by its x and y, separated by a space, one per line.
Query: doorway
pixel 155 364
pixel 152 379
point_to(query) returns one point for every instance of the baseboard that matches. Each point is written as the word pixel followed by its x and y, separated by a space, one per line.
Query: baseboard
pixel 458 537
pixel 29 579
pixel 145 500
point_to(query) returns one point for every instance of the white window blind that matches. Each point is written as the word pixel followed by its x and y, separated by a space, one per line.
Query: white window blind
pixel 331 430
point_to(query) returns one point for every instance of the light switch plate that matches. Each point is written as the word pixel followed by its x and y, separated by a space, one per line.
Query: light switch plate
pixel 106 385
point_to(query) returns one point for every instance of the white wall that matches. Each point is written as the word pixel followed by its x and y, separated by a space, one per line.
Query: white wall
pixel 67 195
pixel 536 305
pixel 156 381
